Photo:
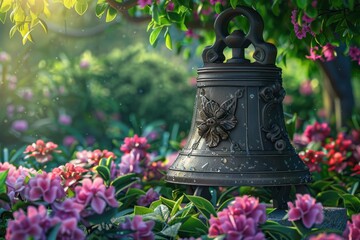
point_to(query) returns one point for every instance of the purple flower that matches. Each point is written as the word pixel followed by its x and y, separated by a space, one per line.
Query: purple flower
pixel 325 236
pixel 65 119
pixel 46 186
pixel 329 52
pixel 20 125
pixel 26 94
pixel 306 209
pixel 10 109
pixel 96 195
pixel 69 229
pixel 317 132
pixel 352 230
pixel 15 182
pixel 69 140
pixel 148 198
pixel 130 163
pixel 142 230
pixel 301 30
pixel 33 224
pixel 67 209
pixel 239 220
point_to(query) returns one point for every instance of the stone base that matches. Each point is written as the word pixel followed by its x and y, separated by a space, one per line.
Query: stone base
pixel 334 218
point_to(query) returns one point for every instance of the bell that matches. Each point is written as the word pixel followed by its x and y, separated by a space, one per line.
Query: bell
pixel 238 135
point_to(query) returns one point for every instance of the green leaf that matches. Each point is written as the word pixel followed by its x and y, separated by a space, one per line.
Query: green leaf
pixel 311 12
pixel 301 3
pixel 3 176
pixel 281 231
pixel 176 206
pixel 334 19
pixel 43 25
pixel 193 227
pixel 155 13
pixel 225 204
pixel 321 185
pixel 105 217
pixel 352 204
pixel 203 205
pixel 171 231
pixel 163 212
pixel 123 182
pixel 104 172
pixel 154 35
pixel 175 17
pixel 329 198
pixel 233 3
pixel 110 14
pixel 276 7
pixel 218 8
pixel 168 42
pixel 140 210
pixel 4 197
pixel 100 9
pixel 155 204
pixel 81 7
pixel 3 17
pixel 54 231
pixel 291 126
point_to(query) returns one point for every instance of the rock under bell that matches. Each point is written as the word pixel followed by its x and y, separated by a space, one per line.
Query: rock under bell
pixel 238 135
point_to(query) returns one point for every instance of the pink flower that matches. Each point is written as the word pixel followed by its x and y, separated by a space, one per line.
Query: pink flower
pixel 32 225
pixel 96 195
pixel 305 27
pixel 239 220
pixel 70 174
pixel 317 132
pixel 170 6
pixel 84 64
pixel 148 198
pixel 65 119
pixel 191 34
pixel 312 159
pixel 141 230
pixel 306 209
pixel 20 125
pixel 136 144
pixel 329 52
pixel 325 236
pixel 44 186
pixel 15 182
pixel 288 100
pixel 352 231
pixel 69 229
pixel 143 3
pixel 41 151
pixel 306 88
pixel 4 57
pixel 67 209
pixel 130 163
pixel 313 54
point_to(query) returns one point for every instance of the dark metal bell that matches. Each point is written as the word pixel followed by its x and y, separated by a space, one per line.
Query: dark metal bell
pixel 238 135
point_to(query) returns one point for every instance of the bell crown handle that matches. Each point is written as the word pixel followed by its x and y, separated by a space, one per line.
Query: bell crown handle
pixel 265 53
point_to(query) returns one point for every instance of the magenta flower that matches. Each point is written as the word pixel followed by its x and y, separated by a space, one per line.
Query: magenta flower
pixel 304 28
pixel 313 54
pixel 20 125
pixel 354 54
pixel 15 182
pixel 69 229
pixel 352 230
pixel 312 159
pixel 130 163
pixel 170 6
pixel 46 186
pixel 136 144
pixel 148 198
pixel 142 230
pixel 306 209
pixel 69 141
pixel 96 195
pixel 143 3
pixel 239 220
pixel 32 225
pixel 317 132
pixel 325 236
pixel 329 52
pixel 41 151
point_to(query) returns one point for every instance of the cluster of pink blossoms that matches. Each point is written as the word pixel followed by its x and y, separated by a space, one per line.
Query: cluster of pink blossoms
pixel 239 220
pixel 41 151
pixel 301 31
pixel 140 229
pixel 354 54
pixel 327 53
pixel 306 209
pixel 36 223
pixel 70 174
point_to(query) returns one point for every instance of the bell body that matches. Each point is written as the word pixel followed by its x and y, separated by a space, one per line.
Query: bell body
pixel 238 134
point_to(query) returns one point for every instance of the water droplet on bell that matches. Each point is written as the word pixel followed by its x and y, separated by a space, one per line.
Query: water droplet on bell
pixel 252 96
pixel 204 165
